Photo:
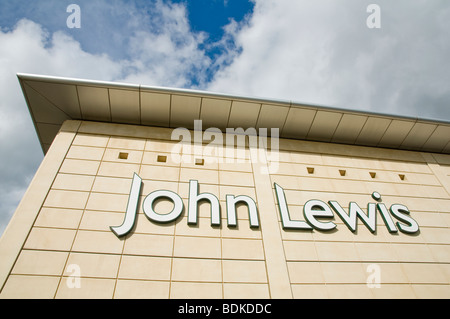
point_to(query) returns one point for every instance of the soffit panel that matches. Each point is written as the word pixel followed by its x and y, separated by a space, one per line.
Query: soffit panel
pixel 272 116
pixel 155 109
pixel 418 135
pixel 94 103
pixel 53 100
pixel 184 110
pixel 446 148
pixel 215 113
pixel 47 132
pixel 43 110
pixel 64 96
pixel 438 139
pixel 124 106
pixel 46 147
pixel 324 126
pixel 372 131
pixel 243 114
pixel 396 133
pixel 349 128
pixel 298 122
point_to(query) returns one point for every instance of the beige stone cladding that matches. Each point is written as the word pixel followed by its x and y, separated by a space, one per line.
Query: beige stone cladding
pixel 340 263
pixel 59 244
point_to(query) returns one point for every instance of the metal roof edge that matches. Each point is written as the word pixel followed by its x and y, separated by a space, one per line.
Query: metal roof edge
pixel 183 91
pixel 440 143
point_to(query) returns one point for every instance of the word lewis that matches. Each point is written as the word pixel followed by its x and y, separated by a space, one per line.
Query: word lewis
pixel 314 209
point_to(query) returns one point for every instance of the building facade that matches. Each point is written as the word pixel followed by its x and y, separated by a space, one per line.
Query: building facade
pixel 134 200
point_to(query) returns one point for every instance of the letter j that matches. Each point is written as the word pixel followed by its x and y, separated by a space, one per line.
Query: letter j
pixel 130 215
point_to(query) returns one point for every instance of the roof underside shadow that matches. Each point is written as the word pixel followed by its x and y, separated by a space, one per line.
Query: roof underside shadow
pixel 52 100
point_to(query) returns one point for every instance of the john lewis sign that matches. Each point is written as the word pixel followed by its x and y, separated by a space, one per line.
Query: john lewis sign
pixel 316 212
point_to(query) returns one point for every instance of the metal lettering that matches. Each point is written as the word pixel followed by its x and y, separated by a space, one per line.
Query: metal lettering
pixel 231 209
pixel 130 215
pixel 311 212
pixel 163 218
pixel 284 212
pixel 195 198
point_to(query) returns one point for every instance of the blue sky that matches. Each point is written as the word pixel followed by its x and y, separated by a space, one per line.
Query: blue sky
pixel 166 43
pixel 320 52
pixel 106 26
pixel 211 15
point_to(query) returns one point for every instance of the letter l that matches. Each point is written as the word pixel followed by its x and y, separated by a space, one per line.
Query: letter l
pixel 284 212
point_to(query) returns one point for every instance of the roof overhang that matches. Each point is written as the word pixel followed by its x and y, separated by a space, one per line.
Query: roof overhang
pixel 52 100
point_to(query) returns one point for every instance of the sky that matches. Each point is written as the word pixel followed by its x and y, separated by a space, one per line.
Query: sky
pixel 391 59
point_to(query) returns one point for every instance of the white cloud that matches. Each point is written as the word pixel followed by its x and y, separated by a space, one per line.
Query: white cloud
pixel 317 52
pixel 321 52
pixel 166 56
pixel 170 57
